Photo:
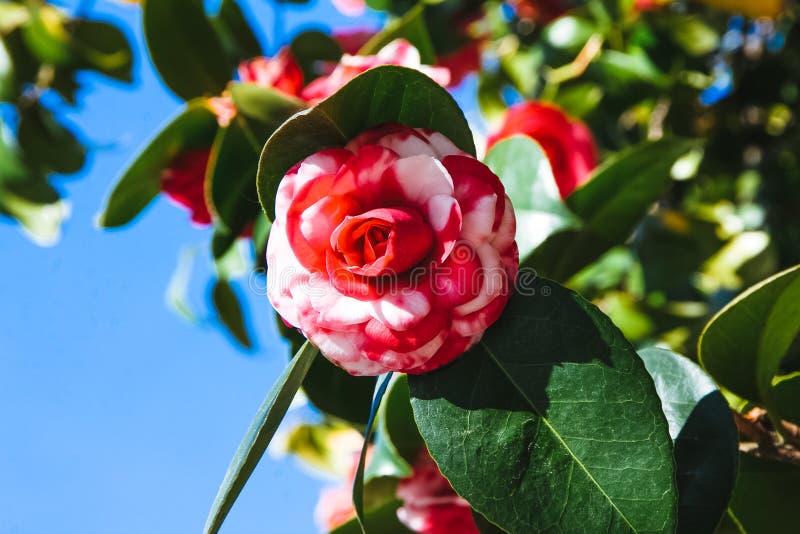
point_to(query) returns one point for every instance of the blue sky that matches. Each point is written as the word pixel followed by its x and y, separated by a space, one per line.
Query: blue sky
pixel 117 416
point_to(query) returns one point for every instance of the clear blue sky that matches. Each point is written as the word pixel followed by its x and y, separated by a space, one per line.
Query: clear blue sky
pixel 117 416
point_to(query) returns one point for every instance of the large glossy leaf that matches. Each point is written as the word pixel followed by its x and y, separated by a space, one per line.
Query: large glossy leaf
pixel 410 27
pixel 552 423
pixel 232 177
pixel 705 437
pixel 526 174
pixel 234 33
pixel 380 95
pixel 743 345
pixel 194 127
pixel 765 499
pixel 259 435
pixel 184 48
pixel 610 205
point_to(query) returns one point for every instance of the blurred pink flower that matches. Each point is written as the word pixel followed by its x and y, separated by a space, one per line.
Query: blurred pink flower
pixel 430 505
pixel 567 142
pixel 398 52
pixel 351 8
pixel 280 72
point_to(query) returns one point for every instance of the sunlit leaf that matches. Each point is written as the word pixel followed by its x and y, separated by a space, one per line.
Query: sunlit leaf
pixel 258 436
pixel 551 422
pixel 193 127
pixel 705 436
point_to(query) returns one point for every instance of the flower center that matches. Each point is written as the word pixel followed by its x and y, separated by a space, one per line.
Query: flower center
pixel 383 241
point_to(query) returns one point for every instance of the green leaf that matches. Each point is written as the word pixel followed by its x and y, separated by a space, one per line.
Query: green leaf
pixel 229 312
pixel 765 499
pixel 12 15
pixel 37 207
pixel 690 32
pixel 786 397
pixel 743 345
pixel 46 35
pixel 331 389
pixel 705 437
pixel 12 168
pixel 579 99
pixel 335 392
pixel 410 27
pixel 47 144
pixel 311 48
pixel 260 238
pixel 525 172
pixel 623 71
pixel 265 104
pixel 568 33
pixel 184 48
pixel 380 95
pixel 397 439
pixel 485 526
pixel 610 205
pixel 235 33
pixel 194 127
pixel 551 423
pixel 259 435
pixel 358 482
pixel 232 169
pixel 102 47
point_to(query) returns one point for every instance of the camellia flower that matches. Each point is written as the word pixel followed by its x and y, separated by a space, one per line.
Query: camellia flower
pixel 568 143
pixel 351 8
pixel 393 253
pixel 398 52
pixel 280 72
pixel 183 181
pixel 430 505
pixel 462 62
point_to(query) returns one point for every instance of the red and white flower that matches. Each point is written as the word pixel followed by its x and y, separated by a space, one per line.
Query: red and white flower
pixel 430 505
pixel 394 253
pixel 567 142
pixel 280 72
pixel 399 52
